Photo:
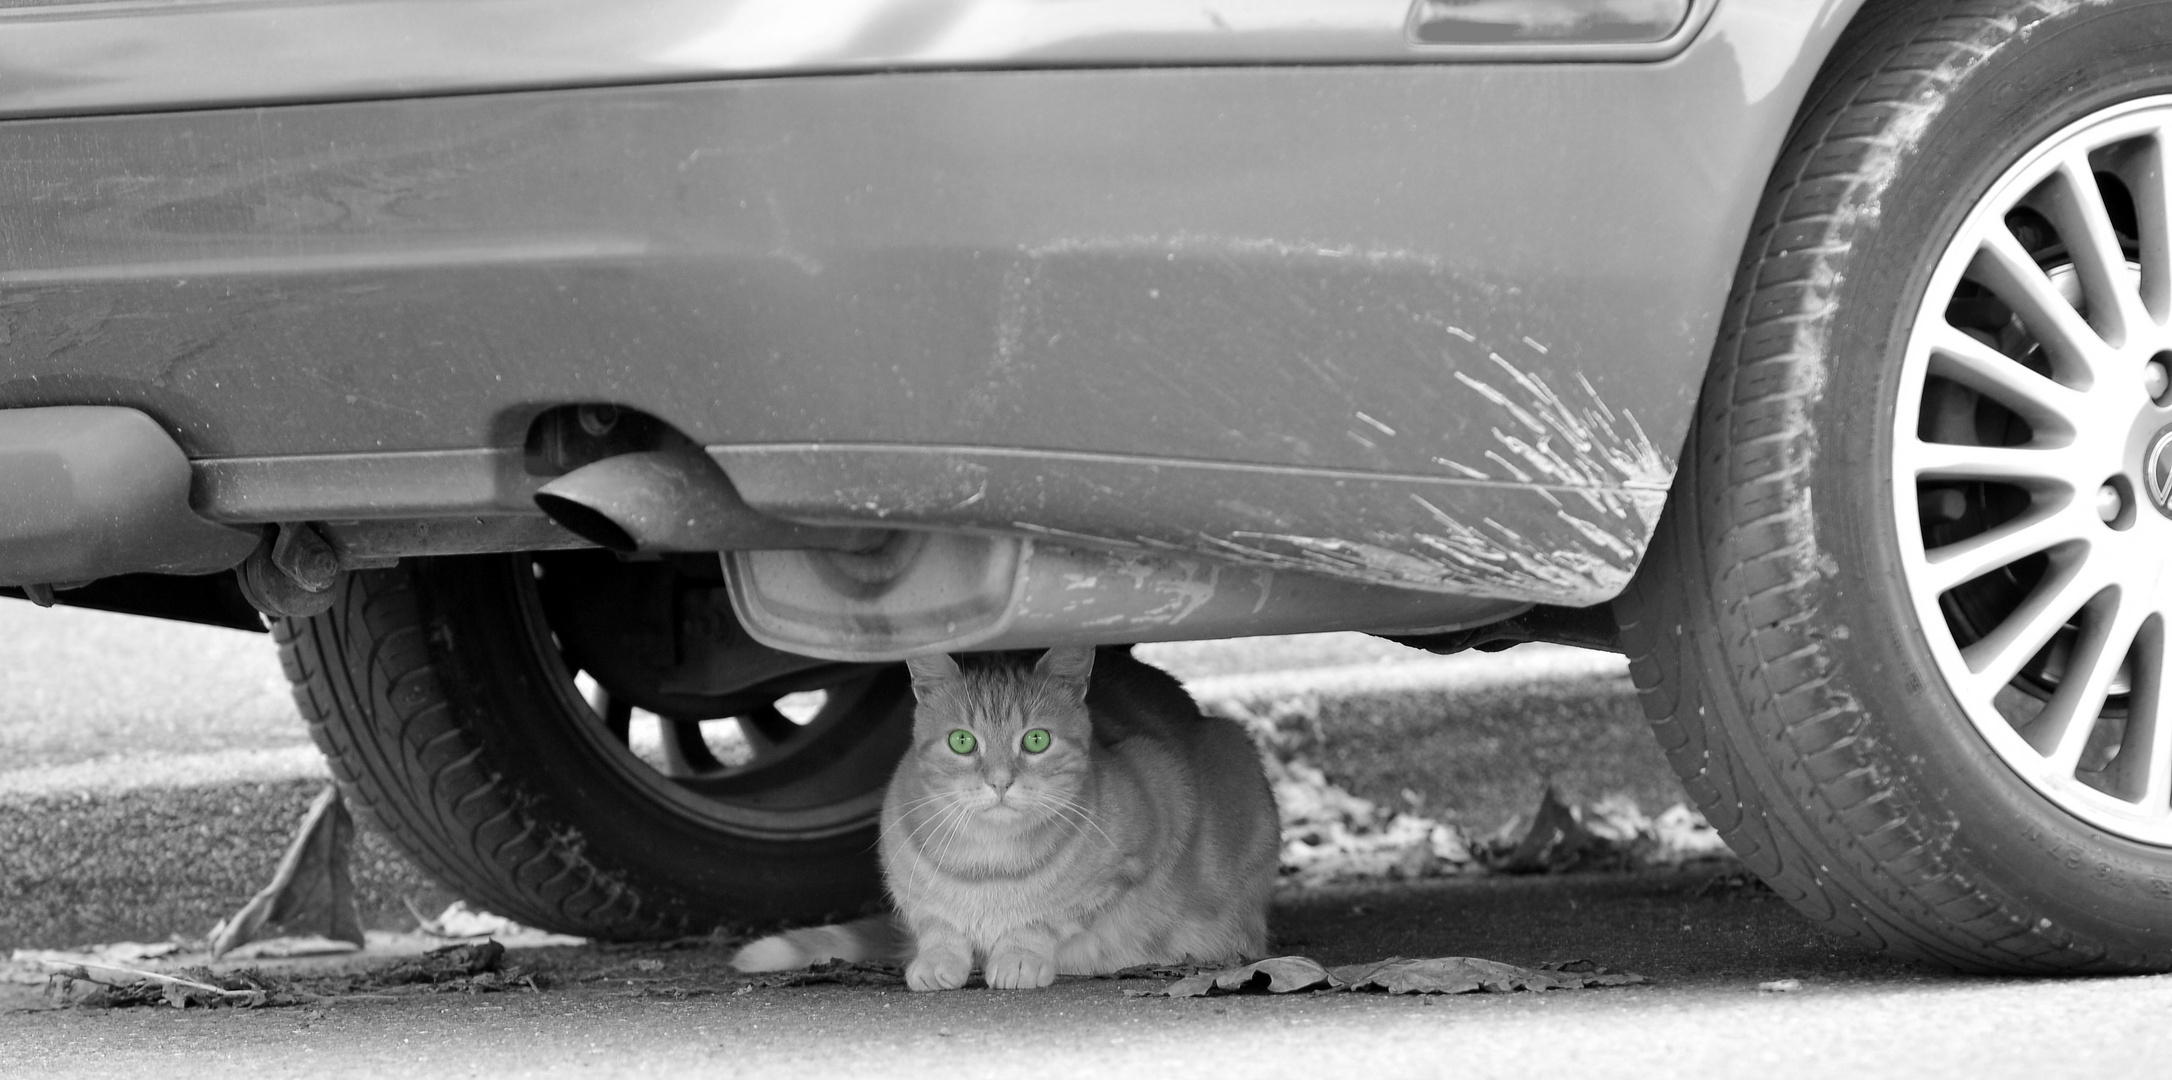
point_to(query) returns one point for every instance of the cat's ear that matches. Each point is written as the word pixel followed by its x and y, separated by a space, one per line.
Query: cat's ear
pixel 930 672
pixel 1070 665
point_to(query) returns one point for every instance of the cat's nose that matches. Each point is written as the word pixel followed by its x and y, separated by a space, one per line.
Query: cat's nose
pixel 999 785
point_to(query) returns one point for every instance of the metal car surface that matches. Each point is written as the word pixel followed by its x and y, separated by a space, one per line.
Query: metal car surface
pixel 1325 298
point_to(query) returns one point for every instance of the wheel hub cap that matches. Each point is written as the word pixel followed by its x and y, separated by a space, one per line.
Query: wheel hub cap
pixel 2157 470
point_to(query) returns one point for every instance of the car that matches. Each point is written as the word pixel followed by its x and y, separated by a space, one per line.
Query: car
pixel 525 364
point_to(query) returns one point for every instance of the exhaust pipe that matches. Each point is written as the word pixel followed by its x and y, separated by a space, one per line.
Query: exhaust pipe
pixel 945 592
pixel 90 491
pixel 677 500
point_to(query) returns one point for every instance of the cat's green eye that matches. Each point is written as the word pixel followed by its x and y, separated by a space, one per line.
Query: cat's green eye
pixel 1035 740
pixel 963 741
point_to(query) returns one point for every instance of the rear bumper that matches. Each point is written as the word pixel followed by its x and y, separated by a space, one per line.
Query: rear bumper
pixel 1437 326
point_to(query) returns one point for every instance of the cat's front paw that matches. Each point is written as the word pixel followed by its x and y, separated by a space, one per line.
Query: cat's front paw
pixel 938 972
pixel 1020 971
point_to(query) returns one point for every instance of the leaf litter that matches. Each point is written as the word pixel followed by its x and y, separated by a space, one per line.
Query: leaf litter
pixel 472 968
pixel 1331 835
pixel 830 973
pixel 1274 975
pixel 1397 975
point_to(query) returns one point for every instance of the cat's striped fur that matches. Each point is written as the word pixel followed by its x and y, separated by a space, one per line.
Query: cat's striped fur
pixel 1144 832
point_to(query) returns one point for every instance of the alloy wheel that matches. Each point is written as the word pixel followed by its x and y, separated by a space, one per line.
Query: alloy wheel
pixel 2032 468
pixel 800 750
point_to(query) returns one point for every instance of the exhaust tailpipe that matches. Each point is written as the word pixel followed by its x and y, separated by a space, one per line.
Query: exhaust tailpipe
pixel 677 500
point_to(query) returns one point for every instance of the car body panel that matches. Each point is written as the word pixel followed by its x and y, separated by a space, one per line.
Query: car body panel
pixel 1435 325
pixel 130 56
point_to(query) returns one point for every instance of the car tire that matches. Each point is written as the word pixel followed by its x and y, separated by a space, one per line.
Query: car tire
pixel 453 724
pixel 1875 729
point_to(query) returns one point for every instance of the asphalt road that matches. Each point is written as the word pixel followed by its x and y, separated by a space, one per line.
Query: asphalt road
pixel 176 738
pixel 676 1012
pixel 150 772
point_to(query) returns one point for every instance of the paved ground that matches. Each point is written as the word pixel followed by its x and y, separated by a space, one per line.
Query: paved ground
pixel 664 1012
pixel 150 774
pixel 150 771
pixel 142 795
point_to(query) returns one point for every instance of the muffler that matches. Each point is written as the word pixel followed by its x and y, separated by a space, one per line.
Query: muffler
pixel 677 500
pixel 923 592
pixel 90 491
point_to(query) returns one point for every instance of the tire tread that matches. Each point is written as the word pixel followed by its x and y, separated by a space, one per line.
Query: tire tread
pixel 1896 890
pixel 421 780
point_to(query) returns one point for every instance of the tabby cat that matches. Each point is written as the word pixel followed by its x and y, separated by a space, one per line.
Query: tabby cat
pixel 1074 816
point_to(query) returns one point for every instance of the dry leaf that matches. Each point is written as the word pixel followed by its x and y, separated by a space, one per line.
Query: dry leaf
pixel 1152 971
pixel 445 964
pixel 1396 975
pixel 838 972
pixel 1469 974
pixel 1557 841
pixel 311 893
pixel 111 985
pixel 1276 975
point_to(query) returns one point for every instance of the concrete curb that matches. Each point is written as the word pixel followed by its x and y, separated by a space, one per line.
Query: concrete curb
pixel 217 768
pixel 145 863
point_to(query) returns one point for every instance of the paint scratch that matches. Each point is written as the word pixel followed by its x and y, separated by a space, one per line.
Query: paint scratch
pixel 1383 428
pixel 1594 465
pixel 1172 588
pixel 1487 559
pixel 1601 455
pixel 1252 246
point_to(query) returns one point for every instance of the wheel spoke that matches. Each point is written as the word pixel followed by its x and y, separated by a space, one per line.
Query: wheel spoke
pixel 765 728
pixel 2153 730
pixel 685 752
pixel 2036 468
pixel 2007 269
pixel 2077 210
pixel 615 712
pixel 2142 772
pixel 2108 628
pixel 2152 191
pixel 1994 660
pixel 1964 561
pixel 2052 410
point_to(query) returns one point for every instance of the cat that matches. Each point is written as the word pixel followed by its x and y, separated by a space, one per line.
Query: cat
pixel 1076 816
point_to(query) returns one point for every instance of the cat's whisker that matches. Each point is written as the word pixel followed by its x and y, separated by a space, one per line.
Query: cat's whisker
pixel 1058 800
pixel 945 819
pixel 1044 801
pixel 928 806
pixel 936 815
pixel 943 798
pixel 1077 825
pixel 950 834
pixel 1065 808
pixel 925 823
pixel 1088 818
pixel 954 827
pixel 924 799
pixel 914 837
pixel 940 830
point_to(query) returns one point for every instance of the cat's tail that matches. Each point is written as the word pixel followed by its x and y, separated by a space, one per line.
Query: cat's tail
pixel 877 938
